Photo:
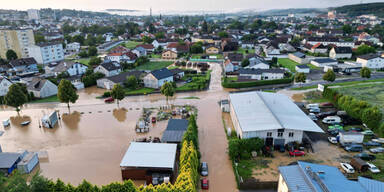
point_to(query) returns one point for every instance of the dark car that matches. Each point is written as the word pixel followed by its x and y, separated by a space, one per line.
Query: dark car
pixel 354 148
pixel 334 132
pixel 372 144
pixel 365 156
pixel 327 104
pixel 189 80
pixel 204 169
pixel 204 183
pixel 357 129
pixel 325 114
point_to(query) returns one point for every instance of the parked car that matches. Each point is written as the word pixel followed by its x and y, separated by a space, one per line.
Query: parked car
pixel 379 140
pixel 368 132
pixel 204 169
pixel 204 183
pixel 347 168
pixel 377 150
pixel 153 119
pixel 189 80
pixel 365 156
pixel 109 100
pixel 336 126
pixel 327 104
pixel 332 120
pixel 354 148
pixel 334 132
pixel 312 116
pixel 332 140
pixel 373 168
pixel 372 144
pixel 296 153
pixel 314 110
pixel 312 105
pixel 325 114
pixel 357 129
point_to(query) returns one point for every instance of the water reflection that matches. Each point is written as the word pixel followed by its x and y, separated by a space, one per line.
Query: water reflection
pixel 120 114
pixel 71 120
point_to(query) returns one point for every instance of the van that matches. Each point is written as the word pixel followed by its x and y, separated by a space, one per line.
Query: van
pixel 332 120
pixel 312 105
pixel 354 148
pixel 314 110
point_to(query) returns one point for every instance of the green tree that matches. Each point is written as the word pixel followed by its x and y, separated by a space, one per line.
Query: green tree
pixel 365 72
pixel 78 38
pixel 131 82
pixel 39 38
pixel 372 117
pixel 300 78
pixel 67 92
pixel 347 29
pixel 83 54
pixel 167 90
pixel 40 184
pixel 118 93
pixel 94 61
pixel 204 27
pixel 329 76
pixel 15 96
pixel 92 51
pixel 160 35
pixel 223 34
pixel 365 49
pixel 17 183
pixel 11 55
pixel 147 40
pixel 197 48
pixel 245 62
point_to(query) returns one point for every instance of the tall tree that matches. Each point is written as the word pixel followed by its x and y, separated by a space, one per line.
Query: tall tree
pixel 329 76
pixel 167 90
pixel 11 55
pixel 92 51
pixel 245 62
pixel 365 72
pixel 15 96
pixel 300 78
pixel 118 93
pixel 67 92
pixel 204 28
pixel 131 82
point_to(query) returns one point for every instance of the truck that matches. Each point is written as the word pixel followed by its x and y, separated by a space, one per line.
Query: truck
pixel 49 121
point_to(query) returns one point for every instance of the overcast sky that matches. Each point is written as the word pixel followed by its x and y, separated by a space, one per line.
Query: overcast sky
pixel 175 5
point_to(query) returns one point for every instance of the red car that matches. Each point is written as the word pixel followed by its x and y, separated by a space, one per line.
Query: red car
pixel 153 119
pixel 326 104
pixel 204 183
pixel 296 153
pixel 109 100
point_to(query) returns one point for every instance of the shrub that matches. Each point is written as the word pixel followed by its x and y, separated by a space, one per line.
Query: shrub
pixel 107 94
pixel 228 84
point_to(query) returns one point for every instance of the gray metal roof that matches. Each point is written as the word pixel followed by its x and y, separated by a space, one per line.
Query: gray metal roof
pixel 151 155
pixel 7 160
pixel 177 124
pixel 325 60
pixel 371 185
pixel 172 136
pixel 258 111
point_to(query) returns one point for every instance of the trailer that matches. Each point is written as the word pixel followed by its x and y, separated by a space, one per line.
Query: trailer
pixel 49 121
pixel 350 137
pixel 29 160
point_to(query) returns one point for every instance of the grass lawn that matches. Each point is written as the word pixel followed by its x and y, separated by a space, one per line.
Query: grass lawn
pixel 47 99
pixel 155 56
pixel 198 56
pixel 244 51
pixel 139 91
pixel 132 44
pixel 191 97
pixel 84 61
pixel 340 84
pixel 154 65
pixel 287 63
pixel 199 82
pixel 232 78
pixel 246 167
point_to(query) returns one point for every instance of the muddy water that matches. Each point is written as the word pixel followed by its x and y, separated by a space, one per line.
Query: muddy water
pixel 90 141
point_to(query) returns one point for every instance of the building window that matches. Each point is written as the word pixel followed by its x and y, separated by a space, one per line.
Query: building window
pixel 290 134
pixel 280 134
pixel 269 134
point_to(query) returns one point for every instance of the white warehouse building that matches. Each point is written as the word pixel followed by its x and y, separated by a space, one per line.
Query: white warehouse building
pixel 269 116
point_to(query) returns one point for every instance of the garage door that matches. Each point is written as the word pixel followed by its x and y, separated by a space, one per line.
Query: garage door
pixel 279 142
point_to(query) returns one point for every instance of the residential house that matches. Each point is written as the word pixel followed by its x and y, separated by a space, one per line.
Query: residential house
pixel 46 53
pixel 229 67
pixel 229 44
pixel 329 41
pixel 120 57
pixel 178 48
pixel 261 74
pixel 152 162
pixel 340 53
pixel 5 83
pixel 109 82
pixel 157 78
pixel 70 67
pixel 302 69
pixel 41 88
pixel 108 68
pixel 140 52
pixel 212 49
pixel 299 57
pixel 169 54
pixel 23 66
pixel 108 45
pixel 372 61
pixel 177 73
pixel 247 45
pixel 72 47
pixel 148 47
pixel 311 177
pixel 256 62
pixel 317 48
pixel 323 62
pixel 236 58
pixel 269 116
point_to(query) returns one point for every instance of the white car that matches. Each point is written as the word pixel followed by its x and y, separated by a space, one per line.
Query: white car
pixel 379 140
pixel 332 140
pixel 373 168
pixel 347 168
pixel 377 150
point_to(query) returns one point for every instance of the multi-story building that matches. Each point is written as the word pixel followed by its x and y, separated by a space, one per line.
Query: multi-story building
pixel 47 52
pixel 33 14
pixel 16 39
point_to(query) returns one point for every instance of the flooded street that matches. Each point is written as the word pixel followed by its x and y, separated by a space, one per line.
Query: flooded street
pixel 90 142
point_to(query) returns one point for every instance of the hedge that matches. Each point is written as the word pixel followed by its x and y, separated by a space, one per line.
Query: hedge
pixel 246 84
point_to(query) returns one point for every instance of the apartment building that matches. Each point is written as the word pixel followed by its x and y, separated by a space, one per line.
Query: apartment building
pixel 16 39
pixel 47 53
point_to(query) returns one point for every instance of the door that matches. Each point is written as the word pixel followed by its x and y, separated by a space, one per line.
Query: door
pixel 269 141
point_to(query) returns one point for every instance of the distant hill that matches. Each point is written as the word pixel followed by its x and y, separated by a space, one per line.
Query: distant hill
pixel 280 12
pixel 362 9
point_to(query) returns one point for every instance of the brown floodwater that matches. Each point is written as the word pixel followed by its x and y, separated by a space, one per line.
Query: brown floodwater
pixel 90 140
